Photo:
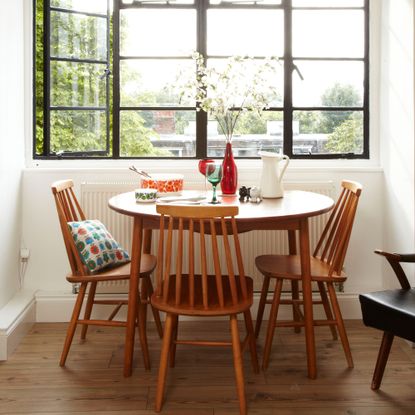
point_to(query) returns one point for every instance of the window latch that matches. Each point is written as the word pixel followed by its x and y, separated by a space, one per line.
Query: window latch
pixel 295 68
pixel 106 73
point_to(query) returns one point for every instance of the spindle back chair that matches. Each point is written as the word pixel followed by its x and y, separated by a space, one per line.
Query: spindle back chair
pixel 326 270
pixel 180 291
pixel 70 210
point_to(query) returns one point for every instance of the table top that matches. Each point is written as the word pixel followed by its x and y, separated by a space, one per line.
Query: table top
pixel 295 204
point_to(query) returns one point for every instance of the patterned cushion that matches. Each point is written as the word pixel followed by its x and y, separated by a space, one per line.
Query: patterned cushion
pixel 97 247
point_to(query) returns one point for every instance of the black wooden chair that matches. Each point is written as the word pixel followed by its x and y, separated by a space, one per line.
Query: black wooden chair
pixel 392 311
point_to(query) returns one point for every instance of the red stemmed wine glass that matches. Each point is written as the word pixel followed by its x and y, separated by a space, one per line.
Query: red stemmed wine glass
pixel 202 165
pixel 202 169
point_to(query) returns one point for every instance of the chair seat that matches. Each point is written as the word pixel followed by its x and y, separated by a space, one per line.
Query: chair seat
pixel 215 309
pixel 122 272
pixel 392 311
pixel 289 267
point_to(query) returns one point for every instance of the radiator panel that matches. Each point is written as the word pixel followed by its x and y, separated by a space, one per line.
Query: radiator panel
pixel 94 200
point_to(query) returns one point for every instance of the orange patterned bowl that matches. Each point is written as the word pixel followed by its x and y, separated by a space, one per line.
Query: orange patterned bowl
pixel 166 184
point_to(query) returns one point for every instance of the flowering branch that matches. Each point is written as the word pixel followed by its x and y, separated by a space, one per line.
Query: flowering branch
pixel 225 91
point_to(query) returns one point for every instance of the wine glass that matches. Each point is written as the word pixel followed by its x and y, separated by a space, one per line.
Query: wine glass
pixel 202 170
pixel 214 176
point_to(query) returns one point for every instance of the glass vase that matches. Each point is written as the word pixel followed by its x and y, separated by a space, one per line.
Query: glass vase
pixel 229 183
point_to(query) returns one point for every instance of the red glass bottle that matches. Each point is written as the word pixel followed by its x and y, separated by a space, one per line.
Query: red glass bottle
pixel 229 183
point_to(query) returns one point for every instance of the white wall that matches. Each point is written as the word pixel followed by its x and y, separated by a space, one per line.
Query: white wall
pixel 397 126
pixel 12 119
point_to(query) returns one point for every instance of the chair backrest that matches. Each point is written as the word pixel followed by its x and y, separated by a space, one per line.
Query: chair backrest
pixel 69 210
pixel 332 245
pixel 216 221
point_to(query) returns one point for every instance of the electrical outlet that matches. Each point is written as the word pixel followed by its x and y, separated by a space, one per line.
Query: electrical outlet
pixel 24 254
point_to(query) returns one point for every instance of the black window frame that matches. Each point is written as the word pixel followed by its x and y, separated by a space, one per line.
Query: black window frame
pixel 201 7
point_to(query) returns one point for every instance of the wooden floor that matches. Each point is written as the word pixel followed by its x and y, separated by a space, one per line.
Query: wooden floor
pixel 202 382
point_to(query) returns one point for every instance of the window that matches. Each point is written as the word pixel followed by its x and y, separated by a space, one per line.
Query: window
pixel 103 68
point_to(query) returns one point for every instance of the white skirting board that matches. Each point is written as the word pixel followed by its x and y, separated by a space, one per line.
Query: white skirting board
pixel 16 319
pixel 57 307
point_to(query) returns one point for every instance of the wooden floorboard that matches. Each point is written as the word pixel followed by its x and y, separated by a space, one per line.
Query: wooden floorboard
pixel 202 383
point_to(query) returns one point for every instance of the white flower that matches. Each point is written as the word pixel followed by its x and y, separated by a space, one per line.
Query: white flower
pixel 233 86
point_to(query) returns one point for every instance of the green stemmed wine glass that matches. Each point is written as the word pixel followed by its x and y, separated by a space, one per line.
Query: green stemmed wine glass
pixel 214 176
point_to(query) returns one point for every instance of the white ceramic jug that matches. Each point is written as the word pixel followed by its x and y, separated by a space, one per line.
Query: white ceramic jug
pixel 272 174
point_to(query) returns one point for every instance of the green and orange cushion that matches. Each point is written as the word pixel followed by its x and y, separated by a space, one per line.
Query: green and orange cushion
pixel 96 246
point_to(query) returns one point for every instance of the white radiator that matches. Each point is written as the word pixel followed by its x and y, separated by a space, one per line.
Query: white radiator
pixel 94 200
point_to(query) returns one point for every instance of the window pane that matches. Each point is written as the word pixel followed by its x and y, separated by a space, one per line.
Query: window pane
pixel 147 32
pixel 78 36
pixel 78 131
pixel 162 133
pixel 245 32
pixel 237 88
pixel 331 84
pixel 89 6
pixel 261 3
pixel 150 82
pixel 77 84
pixel 252 134
pixel 328 3
pixel 328 132
pixel 328 33
pixel 160 1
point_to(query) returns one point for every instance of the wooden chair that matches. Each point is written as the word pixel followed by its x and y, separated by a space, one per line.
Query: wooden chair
pixel 202 295
pixel 392 311
pixel 70 210
pixel 326 270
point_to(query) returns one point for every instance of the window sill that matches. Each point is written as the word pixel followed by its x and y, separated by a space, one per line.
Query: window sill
pixel 188 167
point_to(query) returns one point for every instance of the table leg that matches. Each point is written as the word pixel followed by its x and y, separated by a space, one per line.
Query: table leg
pixel 133 296
pixel 295 292
pixel 307 298
pixel 144 291
pixel 148 233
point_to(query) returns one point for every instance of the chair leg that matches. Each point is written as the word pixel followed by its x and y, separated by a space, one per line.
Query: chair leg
pixel 173 339
pixel 271 322
pixel 73 322
pixel 156 313
pixel 252 343
pixel 340 324
pixel 295 295
pixel 88 308
pixel 142 331
pixel 238 365
pixel 164 357
pixel 383 355
pixel 261 306
pixel 327 308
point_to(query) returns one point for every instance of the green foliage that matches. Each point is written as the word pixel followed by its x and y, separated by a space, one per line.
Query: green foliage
pixel 135 137
pixel 337 96
pixel 39 78
pixel 347 137
pixel 309 121
pixel 77 131
pixel 251 123
pixel 80 85
pixel 341 96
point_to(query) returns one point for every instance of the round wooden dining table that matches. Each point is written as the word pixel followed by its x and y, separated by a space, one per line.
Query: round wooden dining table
pixel 290 213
